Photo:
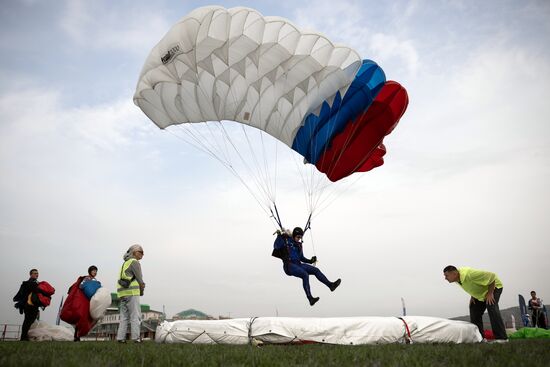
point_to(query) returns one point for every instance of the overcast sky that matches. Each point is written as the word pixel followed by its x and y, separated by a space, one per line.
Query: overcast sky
pixel 84 174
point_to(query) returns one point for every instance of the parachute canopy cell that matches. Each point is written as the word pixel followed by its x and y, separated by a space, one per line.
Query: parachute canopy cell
pixel 318 98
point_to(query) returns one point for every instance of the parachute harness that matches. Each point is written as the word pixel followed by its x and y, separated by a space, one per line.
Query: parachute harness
pixel 306 227
pixel 276 216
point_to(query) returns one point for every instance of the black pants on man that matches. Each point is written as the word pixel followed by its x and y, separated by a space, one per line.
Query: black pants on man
pixel 538 319
pixel 31 314
pixel 477 309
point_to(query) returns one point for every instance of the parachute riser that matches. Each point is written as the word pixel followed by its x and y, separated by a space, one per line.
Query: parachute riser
pixel 308 223
pixel 276 216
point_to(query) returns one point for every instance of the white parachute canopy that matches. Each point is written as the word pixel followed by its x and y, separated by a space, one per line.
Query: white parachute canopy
pixel 237 85
pixel 337 330
pixel 235 64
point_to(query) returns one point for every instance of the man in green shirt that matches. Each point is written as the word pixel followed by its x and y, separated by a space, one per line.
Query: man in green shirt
pixel 485 289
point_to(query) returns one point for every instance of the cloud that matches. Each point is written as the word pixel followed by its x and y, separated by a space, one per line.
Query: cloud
pixel 489 109
pixel 388 47
pixel 105 26
pixel 502 73
pixel 37 112
pixel 355 25
pixel 107 126
pixel 66 157
pixel 497 93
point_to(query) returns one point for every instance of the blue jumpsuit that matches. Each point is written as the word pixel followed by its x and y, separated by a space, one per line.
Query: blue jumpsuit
pixel 293 263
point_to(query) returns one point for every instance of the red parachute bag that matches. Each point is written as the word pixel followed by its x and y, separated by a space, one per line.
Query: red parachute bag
pixel 76 309
pixel 42 296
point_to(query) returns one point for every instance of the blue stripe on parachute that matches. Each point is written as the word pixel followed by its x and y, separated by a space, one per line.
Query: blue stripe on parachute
pixel 317 131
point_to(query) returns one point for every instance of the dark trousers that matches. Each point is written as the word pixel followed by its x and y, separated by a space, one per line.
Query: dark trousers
pixel 477 309
pixel 303 271
pixel 538 319
pixel 31 314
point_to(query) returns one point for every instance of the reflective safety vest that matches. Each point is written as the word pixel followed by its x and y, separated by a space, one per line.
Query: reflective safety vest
pixel 133 289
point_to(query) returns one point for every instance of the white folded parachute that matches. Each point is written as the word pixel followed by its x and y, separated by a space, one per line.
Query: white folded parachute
pixel 99 303
pixel 42 331
pixel 337 330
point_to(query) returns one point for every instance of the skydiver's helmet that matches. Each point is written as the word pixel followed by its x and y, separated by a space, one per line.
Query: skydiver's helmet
pixel 297 232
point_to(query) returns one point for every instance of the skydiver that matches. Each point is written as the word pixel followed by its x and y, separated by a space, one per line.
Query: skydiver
pixel 288 247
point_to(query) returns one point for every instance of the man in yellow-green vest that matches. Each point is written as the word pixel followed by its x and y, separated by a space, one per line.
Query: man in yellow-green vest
pixel 130 287
pixel 485 289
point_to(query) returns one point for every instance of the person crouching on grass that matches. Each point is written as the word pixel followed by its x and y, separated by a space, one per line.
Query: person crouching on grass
pixel 485 289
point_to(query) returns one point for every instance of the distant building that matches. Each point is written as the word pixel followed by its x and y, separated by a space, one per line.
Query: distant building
pixel 107 327
pixel 192 314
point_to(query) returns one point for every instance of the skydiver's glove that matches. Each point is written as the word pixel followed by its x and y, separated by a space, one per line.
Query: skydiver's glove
pixel 313 260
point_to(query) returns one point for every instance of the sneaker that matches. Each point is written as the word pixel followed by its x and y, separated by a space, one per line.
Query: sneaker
pixel 335 285
pixel 313 300
pixel 499 341
pixel 121 341
pixel 138 341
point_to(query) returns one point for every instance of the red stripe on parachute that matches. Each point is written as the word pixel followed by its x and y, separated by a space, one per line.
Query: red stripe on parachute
pixel 359 148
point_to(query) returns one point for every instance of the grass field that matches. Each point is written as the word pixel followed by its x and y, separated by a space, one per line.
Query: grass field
pixel 516 353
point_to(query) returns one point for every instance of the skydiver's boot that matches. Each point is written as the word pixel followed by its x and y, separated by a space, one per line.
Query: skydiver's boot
pixel 313 300
pixel 335 285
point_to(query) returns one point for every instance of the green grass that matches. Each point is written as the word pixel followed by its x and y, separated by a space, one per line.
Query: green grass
pixel 516 353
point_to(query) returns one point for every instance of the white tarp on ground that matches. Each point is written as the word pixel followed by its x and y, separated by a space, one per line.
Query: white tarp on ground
pixel 41 331
pixel 337 330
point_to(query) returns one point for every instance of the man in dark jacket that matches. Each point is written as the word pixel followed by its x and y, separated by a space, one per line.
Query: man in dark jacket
pixel 289 249
pixel 23 303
